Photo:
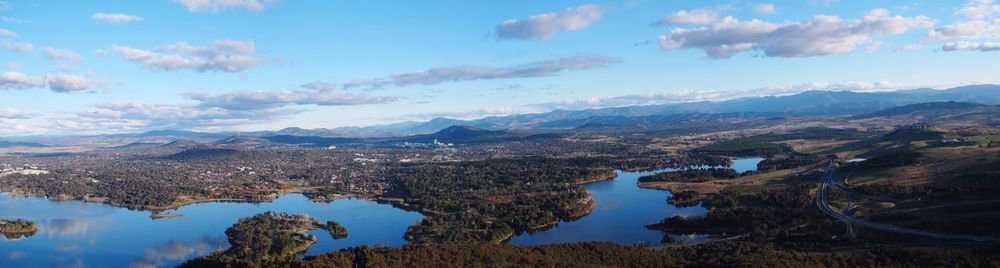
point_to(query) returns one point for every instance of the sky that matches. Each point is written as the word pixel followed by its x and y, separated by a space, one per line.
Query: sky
pixel 116 66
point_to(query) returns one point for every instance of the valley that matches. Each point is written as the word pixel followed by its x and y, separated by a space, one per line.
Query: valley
pixel 711 184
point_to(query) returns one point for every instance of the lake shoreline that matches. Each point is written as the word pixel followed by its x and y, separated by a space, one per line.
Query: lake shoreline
pixel 177 203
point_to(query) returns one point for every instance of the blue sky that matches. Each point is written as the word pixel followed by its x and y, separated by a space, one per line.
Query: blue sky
pixel 84 67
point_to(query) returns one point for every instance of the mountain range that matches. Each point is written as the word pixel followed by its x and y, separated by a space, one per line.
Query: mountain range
pixel 802 104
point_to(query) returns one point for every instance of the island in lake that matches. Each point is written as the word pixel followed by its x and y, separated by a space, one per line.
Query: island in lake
pixel 337 231
pixel 13 229
pixel 268 238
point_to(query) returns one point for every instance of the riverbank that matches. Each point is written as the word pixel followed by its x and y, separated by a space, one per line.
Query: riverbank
pixel 604 177
pixel 676 187
pixel 181 201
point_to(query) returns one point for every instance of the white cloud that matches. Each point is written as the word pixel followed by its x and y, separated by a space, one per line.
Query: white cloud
pixel 68 83
pixel 981 23
pixel 874 46
pixel 822 35
pixel 15 127
pixel 7 33
pixel 460 73
pixel 981 20
pixel 470 114
pixel 909 47
pixel 17 46
pixel 545 26
pixel 212 111
pixel 11 113
pixel 115 17
pixel 125 117
pixel 55 53
pixel 979 9
pixel 221 56
pixel 971 46
pixel 217 5
pixel 259 100
pixel 702 16
pixel 16 80
pixel 320 86
pixel 976 29
pixel 11 20
pixel 766 9
pixel 62 83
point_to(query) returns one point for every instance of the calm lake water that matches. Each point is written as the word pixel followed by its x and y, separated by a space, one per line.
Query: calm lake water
pixel 623 209
pixel 80 234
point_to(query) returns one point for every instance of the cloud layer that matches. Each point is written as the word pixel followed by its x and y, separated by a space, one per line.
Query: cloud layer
pixel 217 5
pixel 7 33
pixel 439 75
pixel 115 17
pixel 17 46
pixel 133 117
pixel 545 26
pixel 257 100
pixel 221 56
pixel 62 54
pixel 701 16
pixel 971 46
pixel 820 36
pixel 212 111
pixel 11 113
pixel 62 83
pixel 979 24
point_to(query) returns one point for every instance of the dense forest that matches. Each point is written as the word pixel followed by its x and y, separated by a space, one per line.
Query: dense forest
pixel 268 237
pixel 721 254
pixel 692 175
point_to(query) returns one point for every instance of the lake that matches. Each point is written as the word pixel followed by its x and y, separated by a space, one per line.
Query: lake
pixel 623 209
pixel 81 234
pixel 73 233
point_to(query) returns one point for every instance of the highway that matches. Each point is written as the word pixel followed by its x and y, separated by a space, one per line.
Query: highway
pixel 821 203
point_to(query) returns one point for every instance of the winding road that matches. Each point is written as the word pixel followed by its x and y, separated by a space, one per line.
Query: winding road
pixel 821 203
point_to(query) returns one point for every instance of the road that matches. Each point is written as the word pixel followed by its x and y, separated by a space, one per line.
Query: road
pixel 821 203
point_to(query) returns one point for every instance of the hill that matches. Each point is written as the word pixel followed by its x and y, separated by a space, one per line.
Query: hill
pixel 9 144
pixel 801 104
pixel 243 140
pixel 308 140
pixel 460 135
pixel 202 153
pixel 931 109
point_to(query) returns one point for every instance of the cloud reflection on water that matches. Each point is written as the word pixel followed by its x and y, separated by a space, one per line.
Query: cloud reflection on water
pixel 68 227
pixel 179 250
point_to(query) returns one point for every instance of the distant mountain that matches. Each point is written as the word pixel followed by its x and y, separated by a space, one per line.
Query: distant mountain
pixel 802 104
pixel 181 143
pixel 473 135
pixel 931 108
pixel 390 130
pixel 933 113
pixel 138 144
pixel 242 140
pixel 309 140
pixel 459 134
pixel 198 153
pixel 194 135
pixel 9 144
